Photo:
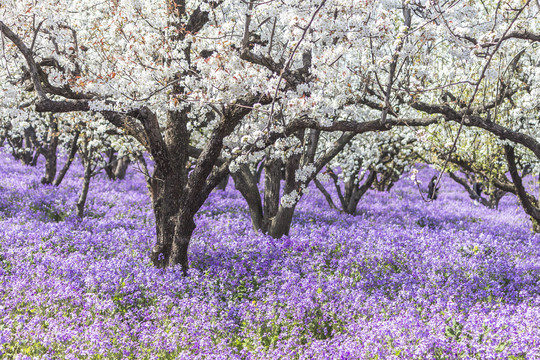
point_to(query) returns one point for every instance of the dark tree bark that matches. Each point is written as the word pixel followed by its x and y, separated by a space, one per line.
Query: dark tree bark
pixel 33 150
pixel 121 167
pixel 223 183
pixel 49 151
pixel 246 183
pixel 50 164
pixel 326 195
pixel 495 197
pixel 24 147
pixel 29 147
pixel 72 152
pixel 465 184
pixel 280 223
pixel 111 163
pixel 84 191
pixel 354 189
pixel 384 181
pixel 87 160
pixel 529 202
pixel 3 136
pixel 354 192
pixel 270 216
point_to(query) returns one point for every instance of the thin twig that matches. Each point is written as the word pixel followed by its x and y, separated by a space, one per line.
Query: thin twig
pixel 289 61
pixel 476 89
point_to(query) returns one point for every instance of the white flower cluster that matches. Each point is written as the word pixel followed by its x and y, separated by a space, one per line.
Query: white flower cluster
pixel 289 200
pixel 323 177
pixel 304 173
pixel 99 105
pixel 234 166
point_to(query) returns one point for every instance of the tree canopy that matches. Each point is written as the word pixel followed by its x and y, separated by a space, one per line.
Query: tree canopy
pixel 209 87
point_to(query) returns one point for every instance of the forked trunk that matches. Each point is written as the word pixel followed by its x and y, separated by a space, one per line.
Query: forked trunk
pixel 357 192
pixel 273 216
pixel 245 182
pixel 272 189
pixel 495 197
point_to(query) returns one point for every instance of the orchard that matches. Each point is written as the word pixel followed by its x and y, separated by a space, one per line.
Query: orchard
pixel 269 179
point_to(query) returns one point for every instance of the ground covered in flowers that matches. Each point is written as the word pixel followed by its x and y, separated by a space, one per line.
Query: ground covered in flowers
pixel 402 279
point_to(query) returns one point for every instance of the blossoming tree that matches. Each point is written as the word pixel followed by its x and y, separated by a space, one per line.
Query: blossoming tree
pixel 192 80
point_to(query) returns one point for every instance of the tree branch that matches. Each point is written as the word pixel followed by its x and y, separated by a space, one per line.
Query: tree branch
pixel 27 53
pixel 528 202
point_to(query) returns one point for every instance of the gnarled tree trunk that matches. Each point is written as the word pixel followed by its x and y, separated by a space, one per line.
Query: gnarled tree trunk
pixel 274 216
pixel 270 216
pixel 49 151
pixel 350 198
pixel 529 202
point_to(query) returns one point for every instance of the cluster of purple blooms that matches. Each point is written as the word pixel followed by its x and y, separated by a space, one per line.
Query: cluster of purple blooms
pixel 403 279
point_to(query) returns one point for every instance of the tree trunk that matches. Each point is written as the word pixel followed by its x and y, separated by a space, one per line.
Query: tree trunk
pixel 272 218
pixel 86 185
pixel 184 227
pixel 223 184
pixel 3 136
pixel 121 167
pixel 326 194
pixel 352 193
pixel 529 203
pixel 359 191
pixel 487 203
pixel 272 186
pixel 280 225
pixel 277 217
pixel 50 165
pixel 32 150
pixel 495 197
pixel 173 238
pixel 168 193
pixel 111 164
pixel 174 210
pixel 245 182
pixel 71 156
pixel 35 157
pixel 50 152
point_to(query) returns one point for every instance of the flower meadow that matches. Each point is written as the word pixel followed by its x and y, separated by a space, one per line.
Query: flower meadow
pixel 403 279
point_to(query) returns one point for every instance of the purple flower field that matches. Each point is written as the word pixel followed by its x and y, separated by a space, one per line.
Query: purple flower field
pixel 404 279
